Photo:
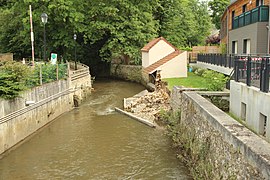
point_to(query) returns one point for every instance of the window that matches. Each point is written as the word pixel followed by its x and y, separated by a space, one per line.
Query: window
pixel 246 46
pixel 259 3
pixel 262 124
pixel 234 47
pixel 244 8
pixel 233 14
pixel 243 111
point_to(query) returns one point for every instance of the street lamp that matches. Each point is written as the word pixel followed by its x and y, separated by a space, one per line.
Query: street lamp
pixel 44 18
pixel 75 37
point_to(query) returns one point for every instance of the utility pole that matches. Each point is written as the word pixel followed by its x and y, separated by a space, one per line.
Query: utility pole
pixel 32 36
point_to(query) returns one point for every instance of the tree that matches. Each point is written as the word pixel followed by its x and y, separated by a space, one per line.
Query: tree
pixel 106 30
pixel 217 8
pixel 183 22
pixel 125 26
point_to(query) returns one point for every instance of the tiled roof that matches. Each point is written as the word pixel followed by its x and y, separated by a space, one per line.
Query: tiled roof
pixel 152 43
pixel 162 61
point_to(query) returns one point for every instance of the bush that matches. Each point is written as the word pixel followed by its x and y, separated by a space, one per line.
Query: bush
pixel 13 77
pixel 194 68
pixel 199 71
pixel 48 74
pixel 186 48
pixel 215 81
pixel 16 77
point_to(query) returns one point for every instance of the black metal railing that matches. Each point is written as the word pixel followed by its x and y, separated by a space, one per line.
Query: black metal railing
pixel 253 70
pixel 258 14
pixel 217 59
pixel 250 69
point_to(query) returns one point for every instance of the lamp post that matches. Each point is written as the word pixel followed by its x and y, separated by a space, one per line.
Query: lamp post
pixel 75 55
pixel 44 18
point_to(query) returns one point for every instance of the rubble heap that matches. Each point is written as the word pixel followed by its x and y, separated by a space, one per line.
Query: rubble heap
pixel 149 105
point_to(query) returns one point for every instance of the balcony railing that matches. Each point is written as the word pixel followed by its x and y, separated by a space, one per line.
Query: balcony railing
pixel 254 70
pixel 217 59
pixel 258 14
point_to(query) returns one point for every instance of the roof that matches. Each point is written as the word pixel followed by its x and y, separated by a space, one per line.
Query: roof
pixel 152 43
pixel 150 69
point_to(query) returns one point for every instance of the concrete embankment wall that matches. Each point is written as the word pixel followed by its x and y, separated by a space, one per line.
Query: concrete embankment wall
pixel 16 126
pixel 49 101
pixel 232 151
pixel 251 105
pixel 35 94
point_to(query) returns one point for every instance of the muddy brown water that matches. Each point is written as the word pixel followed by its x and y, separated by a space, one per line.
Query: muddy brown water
pixel 95 142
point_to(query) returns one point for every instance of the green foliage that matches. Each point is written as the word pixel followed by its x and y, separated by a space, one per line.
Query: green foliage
pixel 183 22
pixel 223 47
pixel 220 102
pixel 108 29
pixel 186 48
pixel 217 8
pixel 49 74
pixel 199 71
pixel 215 81
pixel 16 77
pixel 194 68
pixel 13 76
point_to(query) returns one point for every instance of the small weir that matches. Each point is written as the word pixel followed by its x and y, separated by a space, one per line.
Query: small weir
pixel 96 142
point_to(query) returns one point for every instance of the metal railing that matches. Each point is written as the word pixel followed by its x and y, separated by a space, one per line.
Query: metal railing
pixel 250 69
pixel 217 59
pixel 82 71
pixel 258 14
pixel 253 70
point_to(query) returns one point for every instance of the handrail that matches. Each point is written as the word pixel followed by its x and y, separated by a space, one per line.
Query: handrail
pixel 79 73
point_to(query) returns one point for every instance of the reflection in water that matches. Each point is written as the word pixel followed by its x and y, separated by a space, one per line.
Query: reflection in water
pixel 95 142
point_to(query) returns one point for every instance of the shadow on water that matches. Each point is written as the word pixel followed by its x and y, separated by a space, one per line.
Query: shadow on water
pixel 95 142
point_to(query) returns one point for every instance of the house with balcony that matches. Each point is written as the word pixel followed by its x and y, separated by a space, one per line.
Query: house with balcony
pixel 244 27
pixel 245 31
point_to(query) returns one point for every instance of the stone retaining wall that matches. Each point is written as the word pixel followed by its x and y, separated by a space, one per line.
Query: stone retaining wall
pixel 233 151
pixel 127 72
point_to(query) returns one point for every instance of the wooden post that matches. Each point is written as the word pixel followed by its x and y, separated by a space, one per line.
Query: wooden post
pixel 57 72
pixel 40 74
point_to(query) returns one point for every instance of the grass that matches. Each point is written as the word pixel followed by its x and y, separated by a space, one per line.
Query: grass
pixel 192 81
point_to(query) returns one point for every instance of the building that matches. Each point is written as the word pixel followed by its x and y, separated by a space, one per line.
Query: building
pixel 160 55
pixel 244 27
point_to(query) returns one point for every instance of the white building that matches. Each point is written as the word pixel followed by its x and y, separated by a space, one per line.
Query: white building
pixel 160 55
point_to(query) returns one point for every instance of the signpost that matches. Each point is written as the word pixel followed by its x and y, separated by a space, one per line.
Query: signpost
pixel 53 58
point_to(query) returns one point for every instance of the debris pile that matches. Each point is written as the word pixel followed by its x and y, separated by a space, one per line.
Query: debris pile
pixel 149 105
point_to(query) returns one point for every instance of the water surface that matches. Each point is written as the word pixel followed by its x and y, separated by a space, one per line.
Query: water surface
pixel 94 142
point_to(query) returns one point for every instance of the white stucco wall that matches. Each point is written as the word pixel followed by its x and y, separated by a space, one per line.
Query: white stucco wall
pixel 177 67
pixel 256 102
pixel 145 59
pixel 159 51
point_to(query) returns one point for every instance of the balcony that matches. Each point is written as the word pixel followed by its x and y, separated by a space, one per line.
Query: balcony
pixel 258 14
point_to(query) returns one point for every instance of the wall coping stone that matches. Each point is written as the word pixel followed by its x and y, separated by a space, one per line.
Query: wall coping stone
pixel 254 148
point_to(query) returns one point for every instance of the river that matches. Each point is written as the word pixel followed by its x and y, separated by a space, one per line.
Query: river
pixel 95 142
